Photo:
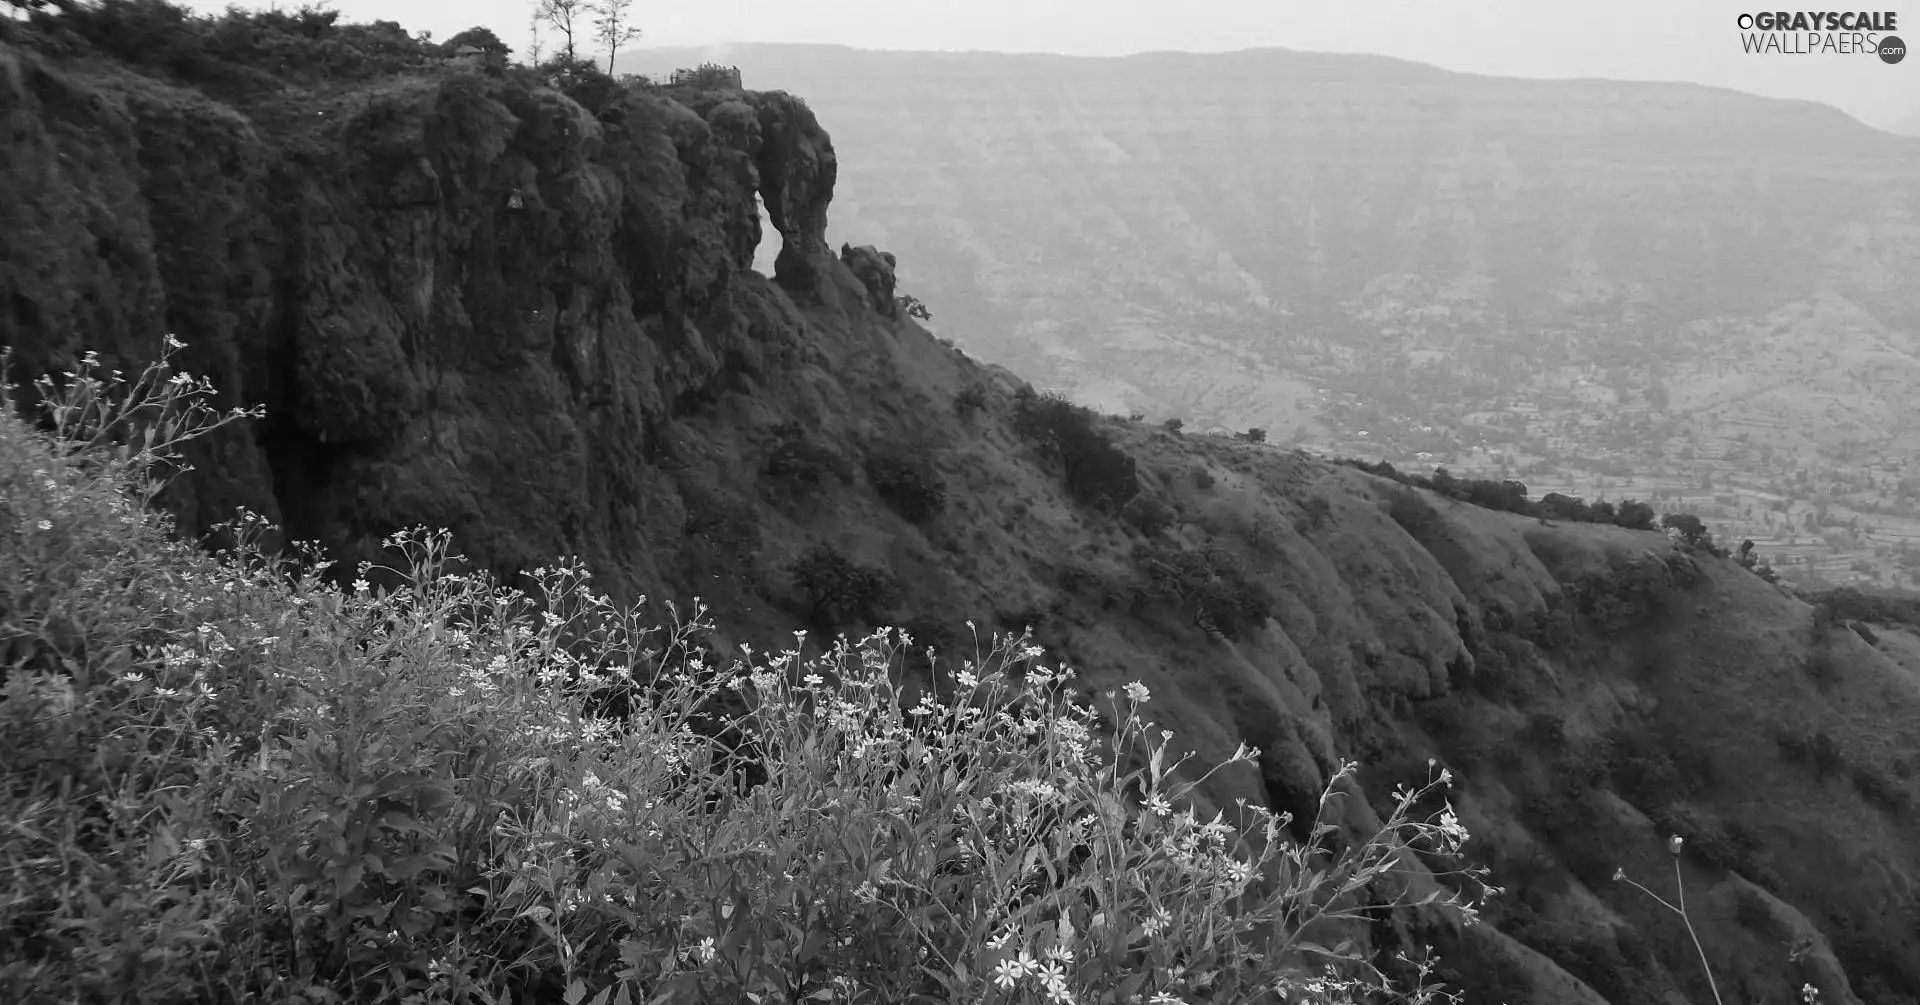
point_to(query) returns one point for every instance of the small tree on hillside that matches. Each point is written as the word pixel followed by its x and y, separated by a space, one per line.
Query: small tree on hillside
pixel 613 26
pixel 838 590
pixel 1634 515
pixel 564 17
pixel 534 46
pixel 1750 560
pixel 1690 529
pixel 1099 474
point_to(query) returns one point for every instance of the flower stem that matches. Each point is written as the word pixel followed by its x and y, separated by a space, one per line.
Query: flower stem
pixel 1680 885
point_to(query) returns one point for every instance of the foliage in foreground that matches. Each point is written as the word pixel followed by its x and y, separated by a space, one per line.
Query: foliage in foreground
pixel 228 777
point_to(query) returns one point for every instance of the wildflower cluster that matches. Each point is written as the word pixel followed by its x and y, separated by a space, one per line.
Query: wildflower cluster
pixel 400 790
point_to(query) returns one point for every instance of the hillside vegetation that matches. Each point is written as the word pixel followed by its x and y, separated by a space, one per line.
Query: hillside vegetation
pixel 228 778
pixel 523 309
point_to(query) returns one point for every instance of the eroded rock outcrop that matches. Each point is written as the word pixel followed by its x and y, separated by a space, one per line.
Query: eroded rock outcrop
pixel 874 269
pixel 393 272
pixel 797 172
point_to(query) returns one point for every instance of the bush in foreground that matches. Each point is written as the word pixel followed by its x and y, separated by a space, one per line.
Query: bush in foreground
pixel 228 779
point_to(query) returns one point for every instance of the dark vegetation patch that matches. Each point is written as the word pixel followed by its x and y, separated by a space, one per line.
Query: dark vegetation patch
pixel 1511 497
pixel 253 58
pixel 1480 973
pixel 1098 473
pixel 1815 749
pixel 1149 514
pixel 1635 595
pixel 800 458
pixel 1109 592
pixel 1314 511
pixel 1846 603
pixel 906 477
pixel 241 55
pixel 840 593
pixel 1413 513
pixel 1879 971
pixel 1210 588
pixel 969 400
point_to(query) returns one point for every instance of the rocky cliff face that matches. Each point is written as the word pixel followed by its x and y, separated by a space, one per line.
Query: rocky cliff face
pixel 395 268
pixel 469 301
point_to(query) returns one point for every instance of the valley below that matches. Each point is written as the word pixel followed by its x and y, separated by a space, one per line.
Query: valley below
pixel 1616 290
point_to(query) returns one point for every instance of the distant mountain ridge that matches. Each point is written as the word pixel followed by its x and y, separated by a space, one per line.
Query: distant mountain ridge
pixel 1172 198
pixel 1369 255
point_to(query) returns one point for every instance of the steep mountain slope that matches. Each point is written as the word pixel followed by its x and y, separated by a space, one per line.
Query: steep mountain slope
pixel 470 300
pixel 1572 280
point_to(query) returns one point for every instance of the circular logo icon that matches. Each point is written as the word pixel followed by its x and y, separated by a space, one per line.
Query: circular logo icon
pixel 1892 50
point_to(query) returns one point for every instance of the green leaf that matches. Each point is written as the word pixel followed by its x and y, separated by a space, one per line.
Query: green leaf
pixel 683 988
pixel 346 878
pixel 810 949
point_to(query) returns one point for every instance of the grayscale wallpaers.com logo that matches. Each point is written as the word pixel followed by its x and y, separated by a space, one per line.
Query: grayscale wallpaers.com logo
pixel 1806 33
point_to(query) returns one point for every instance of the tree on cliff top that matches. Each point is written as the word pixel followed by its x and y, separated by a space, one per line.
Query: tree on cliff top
pixel 564 17
pixel 613 26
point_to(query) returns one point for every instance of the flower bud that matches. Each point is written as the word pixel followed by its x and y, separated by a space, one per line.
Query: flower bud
pixel 1673 844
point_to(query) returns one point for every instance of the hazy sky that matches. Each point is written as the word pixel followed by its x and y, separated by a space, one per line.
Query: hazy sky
pixel 1694 40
